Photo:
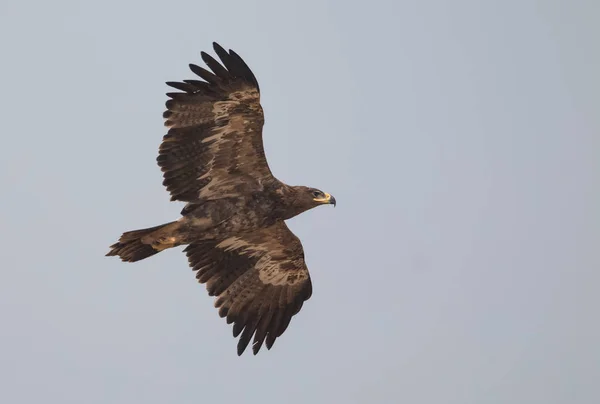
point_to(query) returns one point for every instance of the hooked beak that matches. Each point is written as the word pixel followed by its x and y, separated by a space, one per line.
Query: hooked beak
pixel 328 199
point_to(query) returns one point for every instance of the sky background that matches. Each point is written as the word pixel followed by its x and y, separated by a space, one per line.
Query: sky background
pixel 461 140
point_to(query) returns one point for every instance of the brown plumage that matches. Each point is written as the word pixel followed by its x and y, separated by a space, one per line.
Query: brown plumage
pixel 233 223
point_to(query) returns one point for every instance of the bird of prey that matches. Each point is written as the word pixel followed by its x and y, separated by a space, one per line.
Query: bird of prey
pixel 233 223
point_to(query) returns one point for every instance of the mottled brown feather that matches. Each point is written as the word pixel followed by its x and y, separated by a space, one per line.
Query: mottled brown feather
pixel 260 280
pixel 214 146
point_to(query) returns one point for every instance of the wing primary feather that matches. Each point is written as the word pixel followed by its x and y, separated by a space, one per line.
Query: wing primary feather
pixel 247 335
pixel 285 319
pixel 274 326
pixel 234 63
pixel 270 339
pixel 178 96
pixel 238 327
pixel 246 72
pixel 215 66
pixel 188 88
pixel 268 321
pixel 238 68
pixel 261 331
pixel 201 86
pixel 223 55
pixel 204 74
pixel 223 311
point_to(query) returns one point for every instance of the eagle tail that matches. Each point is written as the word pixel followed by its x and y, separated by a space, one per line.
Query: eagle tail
pixel 139 244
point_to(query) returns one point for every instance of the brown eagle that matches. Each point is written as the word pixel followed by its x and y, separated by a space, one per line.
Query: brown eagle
pixel 233 223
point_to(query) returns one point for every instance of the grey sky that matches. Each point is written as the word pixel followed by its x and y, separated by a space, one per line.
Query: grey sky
pixel 461 140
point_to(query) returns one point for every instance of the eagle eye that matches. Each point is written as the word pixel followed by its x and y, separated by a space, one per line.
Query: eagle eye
pixel 317 194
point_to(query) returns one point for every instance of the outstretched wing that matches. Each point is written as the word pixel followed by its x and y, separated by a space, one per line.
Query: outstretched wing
pixel 260 280
pixel 214 146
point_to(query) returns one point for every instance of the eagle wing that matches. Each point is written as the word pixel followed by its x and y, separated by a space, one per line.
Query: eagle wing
pixel 260 280
pixel 214 146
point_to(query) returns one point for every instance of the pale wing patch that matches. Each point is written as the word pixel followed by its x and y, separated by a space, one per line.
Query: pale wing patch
pixel 270 272
pixel 248 93
pixel 242 246
pixel 220 142
pixel 232 243
pixel 269 267
pixel 221 109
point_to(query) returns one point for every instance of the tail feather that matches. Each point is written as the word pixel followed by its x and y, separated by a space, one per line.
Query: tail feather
pixel 131 248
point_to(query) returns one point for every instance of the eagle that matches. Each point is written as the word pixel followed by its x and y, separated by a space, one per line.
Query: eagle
pixel 233 224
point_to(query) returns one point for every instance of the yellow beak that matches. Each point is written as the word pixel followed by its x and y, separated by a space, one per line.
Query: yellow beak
pixel 329 199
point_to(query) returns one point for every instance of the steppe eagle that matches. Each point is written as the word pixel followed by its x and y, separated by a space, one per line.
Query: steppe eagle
pixel 233 224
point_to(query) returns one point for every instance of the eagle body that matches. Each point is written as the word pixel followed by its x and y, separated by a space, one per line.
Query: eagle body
pixel 233 223
pixel 220 218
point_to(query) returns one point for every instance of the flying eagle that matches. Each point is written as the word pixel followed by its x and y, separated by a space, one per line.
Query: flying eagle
pixel 234 221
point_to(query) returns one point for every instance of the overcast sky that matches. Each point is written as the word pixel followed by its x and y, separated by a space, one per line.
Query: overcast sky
pixel 461 140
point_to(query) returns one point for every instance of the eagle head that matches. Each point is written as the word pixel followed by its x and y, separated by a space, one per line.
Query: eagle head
pixel 302 198
pixel 320 198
